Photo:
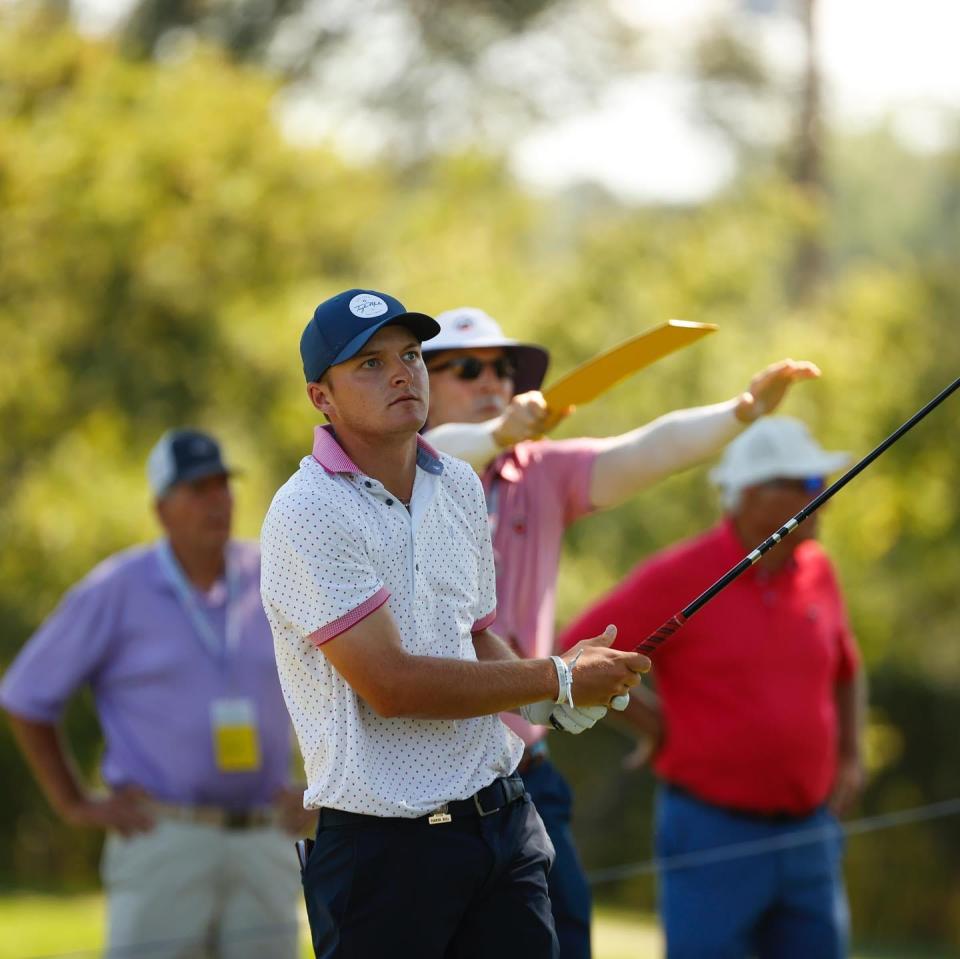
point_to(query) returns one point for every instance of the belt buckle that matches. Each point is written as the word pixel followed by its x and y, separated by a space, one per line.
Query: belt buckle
pixel 481 812
pixel 439 816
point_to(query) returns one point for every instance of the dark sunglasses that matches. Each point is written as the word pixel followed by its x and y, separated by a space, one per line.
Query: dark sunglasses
pixel 804 484
pixel 470 368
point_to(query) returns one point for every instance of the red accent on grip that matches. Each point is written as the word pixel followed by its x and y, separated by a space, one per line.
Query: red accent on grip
pixel 653 641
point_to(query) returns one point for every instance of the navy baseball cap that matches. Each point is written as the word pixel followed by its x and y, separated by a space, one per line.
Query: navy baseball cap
pixel 342 325
pixel 180 456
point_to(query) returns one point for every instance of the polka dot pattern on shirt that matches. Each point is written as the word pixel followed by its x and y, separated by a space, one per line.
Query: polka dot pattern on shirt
pixel 336 546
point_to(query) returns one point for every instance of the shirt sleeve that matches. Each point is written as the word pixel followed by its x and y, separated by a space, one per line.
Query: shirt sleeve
pixel 568 465
pixel 472 442
pixel 65 653
pixel 486 605
pixel 848 654
pixel 316 574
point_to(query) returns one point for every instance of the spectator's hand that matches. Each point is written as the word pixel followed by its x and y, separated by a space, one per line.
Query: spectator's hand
pixel 600 674
pixel 525 418
pixel 640 755
pixel 124 811
pixel 768 388
pixel 847 785
pixel 292 818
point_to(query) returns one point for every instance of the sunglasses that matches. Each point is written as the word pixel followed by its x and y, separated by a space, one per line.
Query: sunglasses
pixel 470 368
pixel 805 484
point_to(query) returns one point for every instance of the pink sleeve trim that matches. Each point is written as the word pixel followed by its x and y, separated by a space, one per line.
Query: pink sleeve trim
pixel 481 624
pixel 325 633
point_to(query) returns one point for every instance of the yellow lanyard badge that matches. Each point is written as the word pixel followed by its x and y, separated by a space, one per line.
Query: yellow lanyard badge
pixel 236 743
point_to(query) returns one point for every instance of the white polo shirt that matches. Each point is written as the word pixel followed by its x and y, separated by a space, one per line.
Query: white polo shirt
pixel 336 545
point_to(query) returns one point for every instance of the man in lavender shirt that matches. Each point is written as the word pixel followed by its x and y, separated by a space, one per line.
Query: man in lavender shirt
pixel 173 643
pixel 485 407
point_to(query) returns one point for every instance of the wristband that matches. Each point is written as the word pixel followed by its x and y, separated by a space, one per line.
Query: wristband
pixel 573 662
pixel 564 680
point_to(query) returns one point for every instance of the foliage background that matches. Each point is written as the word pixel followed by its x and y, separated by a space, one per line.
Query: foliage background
pixel 161 246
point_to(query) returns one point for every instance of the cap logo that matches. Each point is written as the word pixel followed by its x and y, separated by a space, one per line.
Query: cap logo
pixel 200 446
pixel 465 323
pixel 366 305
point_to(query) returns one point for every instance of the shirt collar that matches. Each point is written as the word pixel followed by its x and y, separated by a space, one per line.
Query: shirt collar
pixel 333 458
pixel 330 454
pixel 217 595
pixel 509 466
pixel 734 551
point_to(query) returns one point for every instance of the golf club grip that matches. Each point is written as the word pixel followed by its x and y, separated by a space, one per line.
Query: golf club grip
pixel 654 640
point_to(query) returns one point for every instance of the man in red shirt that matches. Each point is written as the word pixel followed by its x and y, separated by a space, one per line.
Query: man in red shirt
pixel 756 722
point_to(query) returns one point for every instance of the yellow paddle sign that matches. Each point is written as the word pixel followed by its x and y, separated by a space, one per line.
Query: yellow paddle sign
pixel 589 380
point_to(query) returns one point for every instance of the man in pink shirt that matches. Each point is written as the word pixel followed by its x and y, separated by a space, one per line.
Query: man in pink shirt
pixel 485 407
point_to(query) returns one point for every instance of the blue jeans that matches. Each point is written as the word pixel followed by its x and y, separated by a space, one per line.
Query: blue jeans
pixel 781 903
pixel 569 892
pixel 473 888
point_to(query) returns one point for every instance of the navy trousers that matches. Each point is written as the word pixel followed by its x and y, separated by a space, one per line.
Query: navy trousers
pixel 783 900
pixel 472 888
pixel 569 891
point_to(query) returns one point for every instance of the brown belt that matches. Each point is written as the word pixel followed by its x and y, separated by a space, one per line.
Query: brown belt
pixel 255 818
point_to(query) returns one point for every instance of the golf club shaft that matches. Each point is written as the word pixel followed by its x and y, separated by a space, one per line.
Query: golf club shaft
pixel 659 636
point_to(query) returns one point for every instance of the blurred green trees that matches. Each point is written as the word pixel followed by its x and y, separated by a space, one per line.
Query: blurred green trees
pixel 161 246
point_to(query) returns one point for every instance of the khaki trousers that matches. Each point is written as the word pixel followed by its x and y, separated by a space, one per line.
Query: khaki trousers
pixel 193 891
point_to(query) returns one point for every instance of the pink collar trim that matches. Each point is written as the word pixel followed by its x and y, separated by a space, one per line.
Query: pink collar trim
pixel 329 453
pixel 332 457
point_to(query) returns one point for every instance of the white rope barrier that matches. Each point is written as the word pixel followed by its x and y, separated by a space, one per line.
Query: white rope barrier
pixel 787 840
pixel 794 838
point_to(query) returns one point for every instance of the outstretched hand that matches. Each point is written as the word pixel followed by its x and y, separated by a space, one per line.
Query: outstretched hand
pixel 768 388
pixel 526 418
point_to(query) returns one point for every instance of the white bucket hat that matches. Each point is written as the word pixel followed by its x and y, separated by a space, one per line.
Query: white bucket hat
pixel 773 447
pixel 467 328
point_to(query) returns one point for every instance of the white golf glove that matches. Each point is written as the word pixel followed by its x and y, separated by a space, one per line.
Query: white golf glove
pixel 570 719
pixel 538 713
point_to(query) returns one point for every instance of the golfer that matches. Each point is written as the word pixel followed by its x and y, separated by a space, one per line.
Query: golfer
pixel 378 582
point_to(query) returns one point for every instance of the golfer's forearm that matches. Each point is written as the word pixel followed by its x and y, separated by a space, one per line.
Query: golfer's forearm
pixel 50 762
pixel 428 688
pixel 633 461
pixel 851 705
pixel 472 442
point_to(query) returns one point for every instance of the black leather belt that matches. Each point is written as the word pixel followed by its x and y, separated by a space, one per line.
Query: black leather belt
pixel 489 800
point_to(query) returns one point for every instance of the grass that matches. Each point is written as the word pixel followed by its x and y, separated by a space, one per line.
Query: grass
pixel 36 925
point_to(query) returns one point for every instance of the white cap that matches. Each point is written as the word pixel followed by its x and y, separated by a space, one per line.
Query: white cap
pixel 467 328
pixel 773 447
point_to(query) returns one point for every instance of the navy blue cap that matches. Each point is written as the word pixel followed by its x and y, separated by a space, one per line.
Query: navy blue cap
pixel 342 325
pixel 180 456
